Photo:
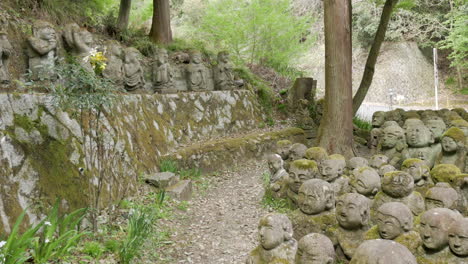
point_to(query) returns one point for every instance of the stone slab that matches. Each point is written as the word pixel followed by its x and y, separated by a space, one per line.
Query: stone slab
pixel 181 191
pixel 162 179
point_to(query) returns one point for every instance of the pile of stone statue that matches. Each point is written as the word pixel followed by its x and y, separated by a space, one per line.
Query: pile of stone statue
pixel 125 67
pixel 385 209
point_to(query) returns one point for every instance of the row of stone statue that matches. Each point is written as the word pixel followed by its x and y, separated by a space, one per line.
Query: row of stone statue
pixel 123 66
pixel 443 238
pixel 437 137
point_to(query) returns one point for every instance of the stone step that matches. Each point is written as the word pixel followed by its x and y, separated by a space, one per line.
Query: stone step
pixel 181 191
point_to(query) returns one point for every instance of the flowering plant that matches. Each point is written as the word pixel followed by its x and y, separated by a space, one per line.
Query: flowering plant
pixel 98 61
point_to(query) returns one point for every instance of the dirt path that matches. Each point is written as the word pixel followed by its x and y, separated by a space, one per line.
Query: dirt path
pixel 220 225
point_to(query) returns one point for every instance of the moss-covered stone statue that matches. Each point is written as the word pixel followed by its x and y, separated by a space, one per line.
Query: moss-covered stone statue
pixel 433 229
pixel 114 68
pixel 419 139
pixel 277 171
pixel 5 52
pixel 420 172
pixel 386 168
pixel 133 71
pixel 378 160
pixel 223 73
pixel 437 127
pixel 162 73
pixel 398 186
pixel 445 173
pixel 316 154
pixel 197 73
pixel 331 170
pixel 365 181
pixel 315 249
pixel 461 186
pixel 79 42
pixel 356 162
pixel 282 148
pixel 380 251
pixel 453 148
pixel 277 244
pixel 300 171
pixel 297 151
pixel 352 213
pixel 316 214
pixel 378 118
pixel 461 124
pixel 458 240
pixel 392 144
pixel 395 222
pixel 42 51
pixel 442 195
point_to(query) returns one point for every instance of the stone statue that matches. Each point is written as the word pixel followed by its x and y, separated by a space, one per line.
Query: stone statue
pixel 461 124
pixel 375 135
pixel 386 168
pixel 441 196
pixel 378 118
pixel 315 249
pixel 277 172
pixel 300 171
pixel 42 50
pixel 316 154
pixel 397 186
pixel 282 148
pixel 352 214
pixel 356 162
pixel 445 173
pixel 114 68
pixel 277 244
pixel 223 73
pixel 411 114
pixel 453 148
pixel 80 42
pixel 297 151
pixel 420 139
pixel 433 228
pixel 420 172
pixel 461 185
pixel 162 73
pixel 392 143
pixel 458 238
pixel 427 115
pixel 133 71
pixel 5 52
pixel 365 181
pixel 331 170
pixel 395 222
pixel 437 127
pixel 198 73
pixel 376 161
pixel 394 115
pixel 316 202
pixel 382 251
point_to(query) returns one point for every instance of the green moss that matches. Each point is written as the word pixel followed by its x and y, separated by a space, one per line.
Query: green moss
pixel 456 134
pixel 372 233
pixel 445 173
pixel 459 123
pixel 283 143
pixel 336 157
pixel 304 164
pixel 409 162
pixel 316 153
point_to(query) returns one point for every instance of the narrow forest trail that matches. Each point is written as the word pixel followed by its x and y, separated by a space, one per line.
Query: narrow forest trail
pixel 220 224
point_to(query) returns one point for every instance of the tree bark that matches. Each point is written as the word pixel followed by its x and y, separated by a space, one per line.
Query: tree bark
pixel 368 75
pixel 336 128
pixel 161 32
pixel 124 14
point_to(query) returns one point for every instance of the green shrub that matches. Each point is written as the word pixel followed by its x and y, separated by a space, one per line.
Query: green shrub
pixel 112 245
pixel 93 249
pixel 361 123
pixel 194 173
pixel 168 165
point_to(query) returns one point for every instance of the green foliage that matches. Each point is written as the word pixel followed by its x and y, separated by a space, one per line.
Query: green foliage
pixel 457 39
pixel 194 173
pixel 93 249
pixel 280 205
pixel 362 124
pixel 140 225
pixel 112 245
pixel 264 32
pixel 168 165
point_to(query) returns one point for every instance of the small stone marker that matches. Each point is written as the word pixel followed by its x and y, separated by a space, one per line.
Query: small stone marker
pixel 180 191
pixel 162 179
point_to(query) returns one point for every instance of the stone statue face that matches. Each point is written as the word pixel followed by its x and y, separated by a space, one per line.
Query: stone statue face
pixel 386 168
pixel 275 163
pixel 397 184
pixel 271 233
pixel 434 226
pixel 298 176
pixel 46 33
pixel 378 160
pixel 297 151
pixel 458 237
pixel 381 251
pixel 283 151
pixel 357 162
pixel 196 58
pixel 418 135
pixel 315 196
pixel 315 248
pixel 352 211
pixel 391 135
pixel 449 145
pixel 389 226
pixel 437 127
pixel 365 181
pixel 224 57
pixel 441 196
pixel 417 170
pixel 378 118
pixel 162 57
pixel 331 169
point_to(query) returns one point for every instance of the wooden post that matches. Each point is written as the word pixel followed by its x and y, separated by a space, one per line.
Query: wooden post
pixel 436 80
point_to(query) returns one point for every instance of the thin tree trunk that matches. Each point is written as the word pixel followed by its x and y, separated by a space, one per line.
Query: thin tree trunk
pixel 124 14
pixel 368 75
pixel 336 128
pixel 161 27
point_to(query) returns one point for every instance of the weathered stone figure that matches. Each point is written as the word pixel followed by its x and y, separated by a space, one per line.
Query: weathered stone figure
pixel 282 148
pixel 300 171
pixel 80 42
pixel 162 73
pixel 197 72
pixel 441 196
pixel 5 52
pixel 277 172
pixel 445 173
pixel 386 168
pixel 315 249
pixel 365 181
pixel 133 72
pixel 437 127
pixel 316 154
pixel 392 143
pixel 453 148
pixel 356 162
pixel 332 170
pixel 114 68
pixel 223 74
pixel 378 118
pixel 433 228
pixel 397 186
pixel 420 172
pixel 376 161
pixel 420 139
pixel 458 238
pixel 382 251
pixel 316 201
pixel 42 50
pixel 277 244
pixel 297 151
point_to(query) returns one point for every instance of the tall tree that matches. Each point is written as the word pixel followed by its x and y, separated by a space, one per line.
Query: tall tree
pixel 124 14
pixel 336 128
pixel 369 69
pixel 161 27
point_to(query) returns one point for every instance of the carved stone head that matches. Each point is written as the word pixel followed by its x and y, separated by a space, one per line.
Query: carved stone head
pixel 274 229
pixel 418 135
pixel 297 151
pixel 352 211
pixel 365 181
pixel 394 115
pixel 434 226
pixel 162 57
pixel 223 57
pixel 461 124
pixel 315 248
pixel 196 57
pixel 378 118
pixel 437 127
pixel 458 237
pixel 357 162
pixel 391 136
pixel 445 173
pixel 316 154
pixel 453 140
pixel 332 169
pixel 441 196
pixel 381 251
pixel 394 219
pixel 386 168
pixel 397 184
pixel 376 161
pixel 275 163
pixel 282 148
pixel 43 30
pixel 417 168
pixel 300 171
pixel 315 196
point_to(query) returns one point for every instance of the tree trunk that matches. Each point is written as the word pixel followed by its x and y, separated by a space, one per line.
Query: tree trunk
pixel 368 75
pixel 161 27
pixel 124 14
pixel 336 128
